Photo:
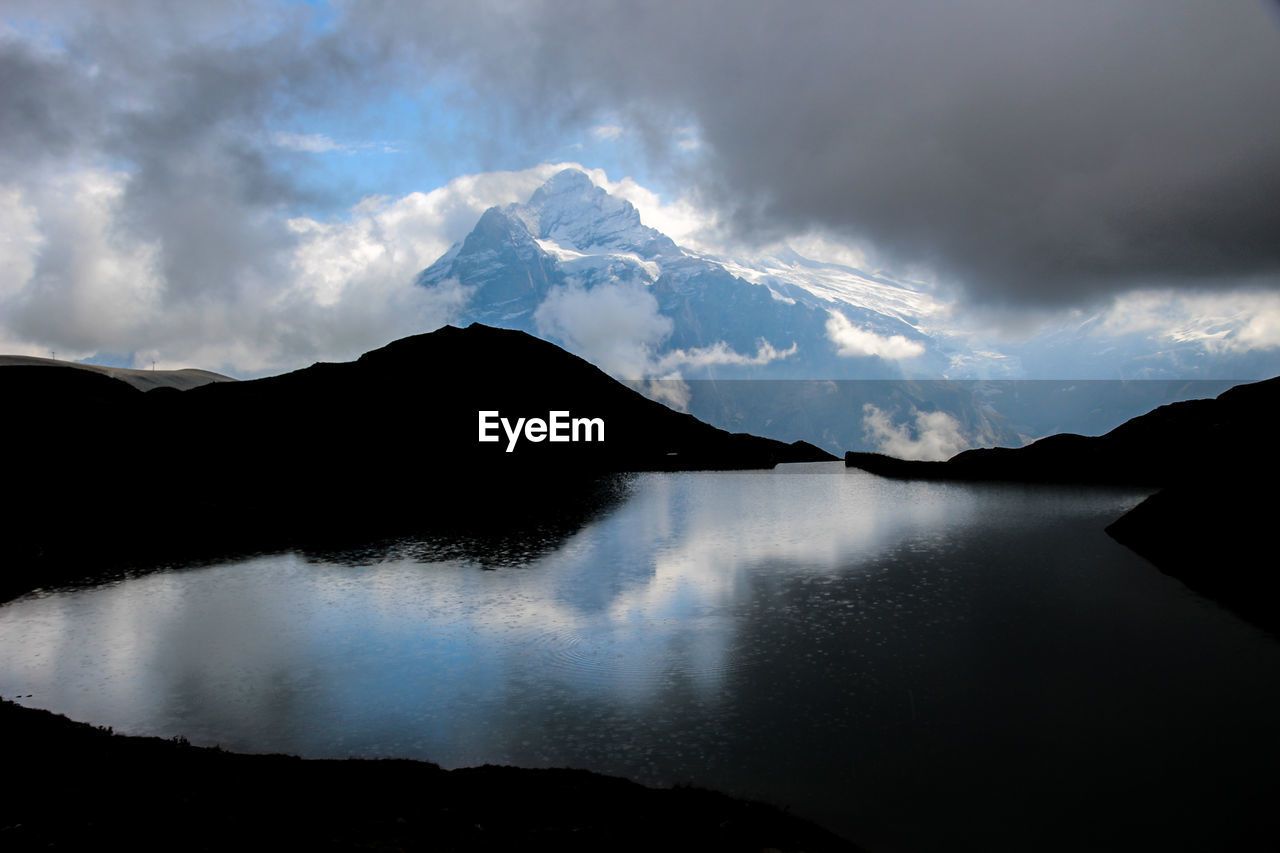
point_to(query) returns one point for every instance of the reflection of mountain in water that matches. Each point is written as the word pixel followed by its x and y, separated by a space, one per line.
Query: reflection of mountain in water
pixel 537 522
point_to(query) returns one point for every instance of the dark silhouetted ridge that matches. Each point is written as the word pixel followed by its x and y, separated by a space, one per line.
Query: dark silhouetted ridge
pixel 1179 442
pixel 1217 463
pixel 384 443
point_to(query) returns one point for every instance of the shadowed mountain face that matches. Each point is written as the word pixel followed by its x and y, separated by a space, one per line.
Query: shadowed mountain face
pixel 387 442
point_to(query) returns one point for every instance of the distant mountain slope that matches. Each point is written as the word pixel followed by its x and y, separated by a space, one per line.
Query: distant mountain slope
pixel 389 440
pixel 143 380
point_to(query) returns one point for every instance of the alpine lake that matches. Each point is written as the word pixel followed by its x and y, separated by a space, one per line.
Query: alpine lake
pixel 917 666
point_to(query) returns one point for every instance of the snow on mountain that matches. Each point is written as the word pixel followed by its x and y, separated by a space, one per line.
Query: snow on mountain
pixel 577 266
pixel 535 266
pixel 573 213
pixel 836 284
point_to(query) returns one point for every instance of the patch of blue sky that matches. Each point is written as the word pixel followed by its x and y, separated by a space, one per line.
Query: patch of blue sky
pixel 401 142
pixel 109 359
pixel 390 145
pixel 322 16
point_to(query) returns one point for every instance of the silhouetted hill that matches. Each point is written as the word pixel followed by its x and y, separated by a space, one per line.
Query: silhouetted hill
pixel 1218 463
pixel 143 380
pixel 1179 442
pixel 1217 537
pixel 387 442
pixel 411 408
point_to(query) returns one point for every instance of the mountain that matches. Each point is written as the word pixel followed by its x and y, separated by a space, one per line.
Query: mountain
pixel 143 380
pixel 532 267
pixel 390 441
pixel 577 266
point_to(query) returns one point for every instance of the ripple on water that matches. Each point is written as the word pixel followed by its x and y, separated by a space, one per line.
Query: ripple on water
pixel 625 659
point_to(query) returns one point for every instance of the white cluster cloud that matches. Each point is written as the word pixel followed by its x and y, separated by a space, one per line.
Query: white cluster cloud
pixel 664 382
pixel 615 326
pixel 78 275
pixel 76 279
pixel 320 143
pixel 67 278
pixel 311 143
pixel 852 341
pixel 935 436
pixel 73 280
pixel 719 353
pixel 607 131
pixel 1029 181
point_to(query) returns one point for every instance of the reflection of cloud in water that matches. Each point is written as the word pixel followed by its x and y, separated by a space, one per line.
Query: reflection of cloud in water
pixel 161 644
pixel 809 635
pixel 643 597
pixel 640 606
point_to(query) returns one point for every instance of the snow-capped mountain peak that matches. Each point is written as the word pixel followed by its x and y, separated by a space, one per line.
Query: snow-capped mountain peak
pixel 575 214
pixel 579 267
pixel 576 264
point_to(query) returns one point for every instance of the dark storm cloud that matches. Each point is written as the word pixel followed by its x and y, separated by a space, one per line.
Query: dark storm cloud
pixel 1037 153
pixel 43 107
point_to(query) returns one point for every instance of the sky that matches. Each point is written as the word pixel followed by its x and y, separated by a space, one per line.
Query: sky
pixel 250 186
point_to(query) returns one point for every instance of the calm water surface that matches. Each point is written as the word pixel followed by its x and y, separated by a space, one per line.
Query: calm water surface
pixel 918 665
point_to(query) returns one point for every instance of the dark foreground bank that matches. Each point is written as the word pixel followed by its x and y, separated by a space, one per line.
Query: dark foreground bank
pixel 73 786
